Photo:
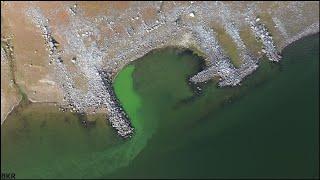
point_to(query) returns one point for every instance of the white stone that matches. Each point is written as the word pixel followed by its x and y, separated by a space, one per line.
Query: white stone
pixel 51 44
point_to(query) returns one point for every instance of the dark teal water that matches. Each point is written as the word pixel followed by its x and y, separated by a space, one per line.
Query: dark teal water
pixel 268 127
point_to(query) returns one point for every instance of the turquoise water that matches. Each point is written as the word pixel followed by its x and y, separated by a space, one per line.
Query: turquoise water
pixel 268 127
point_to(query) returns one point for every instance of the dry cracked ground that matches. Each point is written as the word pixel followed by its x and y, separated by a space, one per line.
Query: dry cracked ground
pixel 56 51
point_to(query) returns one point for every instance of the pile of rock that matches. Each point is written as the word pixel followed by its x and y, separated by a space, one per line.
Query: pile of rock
pixel 43 23
pixel 95 49
pixel 117 116
pixel 263 35
pixel 218 63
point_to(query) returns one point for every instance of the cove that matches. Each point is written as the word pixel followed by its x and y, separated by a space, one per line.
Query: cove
pixel 268 127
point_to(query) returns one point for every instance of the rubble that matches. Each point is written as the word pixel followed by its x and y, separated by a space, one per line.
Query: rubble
pixel 117 116
pixel 191 14
pixel 280 26
pixel 100 58
pixel 100 92
pixel 263 35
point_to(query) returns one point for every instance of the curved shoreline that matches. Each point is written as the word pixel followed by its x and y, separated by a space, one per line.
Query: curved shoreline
pixel 311 30
pixel 300 36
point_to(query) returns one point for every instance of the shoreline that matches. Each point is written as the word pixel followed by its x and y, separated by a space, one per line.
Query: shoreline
pixel 11 110
pixel 194 50
pixel 310 31
pixel 27 102
pixel 288 43
pixel 83 46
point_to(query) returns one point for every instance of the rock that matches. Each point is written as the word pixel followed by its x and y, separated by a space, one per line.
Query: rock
pixel 51 45
pixel 73 60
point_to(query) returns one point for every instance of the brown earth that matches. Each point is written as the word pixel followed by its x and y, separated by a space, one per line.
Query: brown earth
pixel 30 63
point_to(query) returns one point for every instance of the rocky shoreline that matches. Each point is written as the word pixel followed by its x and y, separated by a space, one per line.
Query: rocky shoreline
pixel 117 116
pixel 98 59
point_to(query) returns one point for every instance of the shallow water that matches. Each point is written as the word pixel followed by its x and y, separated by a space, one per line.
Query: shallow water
pixel 268 127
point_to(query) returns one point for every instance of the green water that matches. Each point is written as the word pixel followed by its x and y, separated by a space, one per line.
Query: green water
pixel 268 127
